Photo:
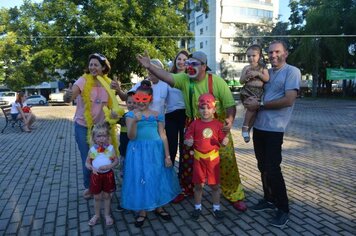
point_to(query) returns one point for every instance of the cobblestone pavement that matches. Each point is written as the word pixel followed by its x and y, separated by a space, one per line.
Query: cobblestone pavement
pixel 41 181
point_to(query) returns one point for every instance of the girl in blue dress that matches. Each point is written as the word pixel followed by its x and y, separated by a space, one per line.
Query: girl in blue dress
pixel 149 180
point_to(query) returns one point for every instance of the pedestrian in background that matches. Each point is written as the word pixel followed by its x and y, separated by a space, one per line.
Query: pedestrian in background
pixel 20 111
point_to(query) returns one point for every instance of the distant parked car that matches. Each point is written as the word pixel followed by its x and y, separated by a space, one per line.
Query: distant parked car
pixel 7 97
pixel 56 97
pixel 36 100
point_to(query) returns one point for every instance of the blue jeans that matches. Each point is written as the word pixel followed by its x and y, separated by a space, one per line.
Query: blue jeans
pixel 80 133
pixel 268 151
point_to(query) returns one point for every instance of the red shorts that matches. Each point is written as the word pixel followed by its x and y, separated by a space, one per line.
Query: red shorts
pixel 206 170
pixel 104 182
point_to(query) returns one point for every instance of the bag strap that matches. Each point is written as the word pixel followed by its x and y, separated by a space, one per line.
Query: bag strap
pixel 210 83
pixel 191 92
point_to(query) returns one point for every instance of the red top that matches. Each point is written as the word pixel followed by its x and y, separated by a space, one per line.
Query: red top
pixel 207 136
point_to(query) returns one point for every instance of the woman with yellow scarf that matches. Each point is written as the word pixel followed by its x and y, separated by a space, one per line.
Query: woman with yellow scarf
pixel 93 96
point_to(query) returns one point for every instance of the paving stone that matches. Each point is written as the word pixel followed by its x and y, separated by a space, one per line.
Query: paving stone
pixel 4 223
pixel 43 195
pixel 36 233
pixel 27 221
pixel 12 228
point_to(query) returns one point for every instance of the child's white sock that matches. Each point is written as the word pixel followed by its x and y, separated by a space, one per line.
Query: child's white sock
pixel 216 207
pixel 197 206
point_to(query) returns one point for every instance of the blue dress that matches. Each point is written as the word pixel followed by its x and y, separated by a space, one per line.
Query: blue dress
pixel 147 183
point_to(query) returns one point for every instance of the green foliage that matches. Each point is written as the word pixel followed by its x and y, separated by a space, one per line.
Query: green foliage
pixel 38 38
pixel 319 18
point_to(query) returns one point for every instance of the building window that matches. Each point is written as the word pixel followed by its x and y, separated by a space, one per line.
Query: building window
pixel 199 19
pixel 206 16
pixel 247 12
pixel 201 31
pixel 201 44
pixel 191 26
pixel 182 43
pixel 206 28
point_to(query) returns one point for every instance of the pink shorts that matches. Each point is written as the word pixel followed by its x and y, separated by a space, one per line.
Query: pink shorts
pixel 206 171
pixel 104 182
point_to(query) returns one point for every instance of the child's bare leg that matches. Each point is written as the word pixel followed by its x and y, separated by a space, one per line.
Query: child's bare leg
pixel 248 122
pixel 107 208
pixel 97 204
pixel 252 119
pixel 215 194
pixel 107 203
pixel 198 193
pixel 249 117
pixel 218 214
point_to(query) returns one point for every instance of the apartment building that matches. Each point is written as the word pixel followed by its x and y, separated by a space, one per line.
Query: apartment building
pixel 215 32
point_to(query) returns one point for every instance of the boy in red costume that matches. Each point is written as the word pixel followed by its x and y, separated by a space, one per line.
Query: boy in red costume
pixel 206 135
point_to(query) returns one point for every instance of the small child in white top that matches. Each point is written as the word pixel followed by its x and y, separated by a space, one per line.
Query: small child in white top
pixel 101 160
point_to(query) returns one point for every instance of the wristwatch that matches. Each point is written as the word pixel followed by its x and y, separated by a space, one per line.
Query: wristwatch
pixel 262 104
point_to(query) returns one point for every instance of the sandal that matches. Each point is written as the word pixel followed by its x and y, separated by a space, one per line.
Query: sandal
pixel 139 223
pixel 108 220
pixel 246 134
pixel 94 220
pixel 163 214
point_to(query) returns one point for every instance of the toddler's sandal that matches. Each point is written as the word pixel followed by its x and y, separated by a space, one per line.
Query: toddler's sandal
pixel 93 220
pixel 108 220
pixel 246 136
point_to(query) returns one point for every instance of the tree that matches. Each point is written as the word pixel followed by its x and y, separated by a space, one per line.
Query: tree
pixel 42 37
pixel 319 18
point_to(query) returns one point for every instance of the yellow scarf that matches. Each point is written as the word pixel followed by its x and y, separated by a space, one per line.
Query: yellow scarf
pixel 112 105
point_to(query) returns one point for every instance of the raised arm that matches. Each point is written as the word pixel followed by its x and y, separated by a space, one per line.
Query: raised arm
pixel 116 85
pixel 161 74
pixel 71 93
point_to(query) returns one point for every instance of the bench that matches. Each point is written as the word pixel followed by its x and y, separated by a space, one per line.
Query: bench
pixel 6 110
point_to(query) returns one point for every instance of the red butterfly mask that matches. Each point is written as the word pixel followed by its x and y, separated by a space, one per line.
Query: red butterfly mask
pixel 142 97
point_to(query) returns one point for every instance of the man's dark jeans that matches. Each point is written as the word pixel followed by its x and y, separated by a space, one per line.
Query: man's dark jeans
pixel 268 151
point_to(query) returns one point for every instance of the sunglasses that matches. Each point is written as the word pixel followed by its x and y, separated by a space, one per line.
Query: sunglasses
pixel 192 63
pixel 100 56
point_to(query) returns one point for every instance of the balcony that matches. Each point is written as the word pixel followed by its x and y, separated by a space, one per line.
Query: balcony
pixel 226 48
